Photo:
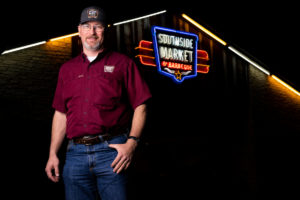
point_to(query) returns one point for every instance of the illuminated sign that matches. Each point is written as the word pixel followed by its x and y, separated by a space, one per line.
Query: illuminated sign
pixel 146 56
pixel 175 53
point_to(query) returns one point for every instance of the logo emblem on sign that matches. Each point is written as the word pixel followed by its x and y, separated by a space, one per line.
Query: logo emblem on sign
pixel 175 53
pixel 92 13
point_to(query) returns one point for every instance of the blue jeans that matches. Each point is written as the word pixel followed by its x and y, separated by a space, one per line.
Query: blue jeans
pixel 87 172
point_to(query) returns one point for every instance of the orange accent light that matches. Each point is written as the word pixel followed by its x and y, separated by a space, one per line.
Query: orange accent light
pixel 62 37
pixel 147 60
pixel 204 29
pixel 285 85
pixel 146 53
pixel 142 48
pixel 201 68
pixel 202 55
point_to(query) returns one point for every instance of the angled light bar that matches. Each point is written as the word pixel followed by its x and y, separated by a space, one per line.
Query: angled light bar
pixel 23 47
pixel 138 18
pixel 285 85
pixel 62 37
pixel 249 60
pixel 204 29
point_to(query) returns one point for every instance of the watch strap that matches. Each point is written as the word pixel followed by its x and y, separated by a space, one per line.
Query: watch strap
pixel 134 138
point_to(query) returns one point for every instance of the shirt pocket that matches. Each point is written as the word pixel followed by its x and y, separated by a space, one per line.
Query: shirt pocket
pixel 107 91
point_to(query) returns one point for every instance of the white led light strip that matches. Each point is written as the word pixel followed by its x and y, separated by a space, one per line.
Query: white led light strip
pixel 138 18
pixel 249 60
pixel 189 19
pixel 23 47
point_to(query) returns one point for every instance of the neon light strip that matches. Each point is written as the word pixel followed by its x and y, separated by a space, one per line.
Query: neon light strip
pixel 202 55
pixel 146 63
pixel 62 37
pixel 145 41
pixel 204 69
pixel 151 57
pixel 23 47
pixel 285 85
pixel 138 18
pixel 248 60
pixel 204 29
pixel 143 48
pixel 203 65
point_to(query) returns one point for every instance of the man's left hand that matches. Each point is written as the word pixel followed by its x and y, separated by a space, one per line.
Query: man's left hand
pixel 124 157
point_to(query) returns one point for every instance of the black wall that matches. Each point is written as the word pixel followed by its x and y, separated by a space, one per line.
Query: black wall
pixel 230 133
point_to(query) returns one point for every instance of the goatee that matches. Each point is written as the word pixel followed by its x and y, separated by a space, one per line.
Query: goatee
pixel 95 47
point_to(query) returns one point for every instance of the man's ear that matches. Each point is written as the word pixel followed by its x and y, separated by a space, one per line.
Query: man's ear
pixel 79 30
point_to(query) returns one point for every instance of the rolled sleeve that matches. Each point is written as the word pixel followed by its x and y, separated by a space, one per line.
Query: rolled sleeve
pixel 137 89
pixel 58 101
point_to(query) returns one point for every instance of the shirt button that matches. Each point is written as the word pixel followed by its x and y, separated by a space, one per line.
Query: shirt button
pixel 84 113
pixel 84 125
pixel 86 100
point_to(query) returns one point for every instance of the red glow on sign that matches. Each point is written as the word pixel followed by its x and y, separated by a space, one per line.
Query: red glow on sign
pixel 146 57
pixel 173 65
pixel 146 53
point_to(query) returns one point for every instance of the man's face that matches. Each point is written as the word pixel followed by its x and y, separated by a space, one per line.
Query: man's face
pixel 92 35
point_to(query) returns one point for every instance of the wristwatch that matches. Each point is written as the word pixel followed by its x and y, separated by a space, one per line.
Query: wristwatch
pixel 134 138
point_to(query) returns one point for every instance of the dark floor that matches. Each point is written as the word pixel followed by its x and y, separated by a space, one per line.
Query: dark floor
pixel 166 167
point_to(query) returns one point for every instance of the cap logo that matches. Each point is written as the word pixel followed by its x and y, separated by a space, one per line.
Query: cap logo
pixel 92 13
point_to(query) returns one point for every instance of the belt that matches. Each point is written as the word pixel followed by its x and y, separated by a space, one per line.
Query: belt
pixel 94 139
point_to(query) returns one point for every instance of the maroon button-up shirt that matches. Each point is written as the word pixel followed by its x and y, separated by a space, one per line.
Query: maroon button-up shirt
pixel 99 96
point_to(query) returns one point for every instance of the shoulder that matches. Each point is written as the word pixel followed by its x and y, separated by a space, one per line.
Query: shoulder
pixel 122 62
pixel 71 64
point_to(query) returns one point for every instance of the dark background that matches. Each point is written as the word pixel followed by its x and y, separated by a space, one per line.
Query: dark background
pixel 266 31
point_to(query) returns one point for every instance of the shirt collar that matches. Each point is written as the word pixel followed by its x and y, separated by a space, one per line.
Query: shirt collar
pixel 99 56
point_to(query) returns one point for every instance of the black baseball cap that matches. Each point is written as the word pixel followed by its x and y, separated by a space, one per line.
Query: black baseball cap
pixel 93 13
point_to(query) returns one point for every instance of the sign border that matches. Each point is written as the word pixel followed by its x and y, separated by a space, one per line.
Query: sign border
pixel 156 52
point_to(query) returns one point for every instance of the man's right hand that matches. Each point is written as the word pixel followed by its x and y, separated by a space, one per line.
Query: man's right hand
pixel 52 168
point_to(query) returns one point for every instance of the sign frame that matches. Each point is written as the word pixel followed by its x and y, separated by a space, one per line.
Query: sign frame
pixel 155 30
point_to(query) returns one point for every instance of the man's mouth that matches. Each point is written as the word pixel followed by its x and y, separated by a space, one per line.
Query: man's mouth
pixel 92 38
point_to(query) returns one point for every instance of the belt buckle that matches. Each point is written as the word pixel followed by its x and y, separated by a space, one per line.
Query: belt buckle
pixel 89 140
pixel 86 143
pixel 86 137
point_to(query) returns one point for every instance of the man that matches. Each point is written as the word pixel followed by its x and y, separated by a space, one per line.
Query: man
pixel 94 99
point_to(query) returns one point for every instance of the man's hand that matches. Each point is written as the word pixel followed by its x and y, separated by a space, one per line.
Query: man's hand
pixel 57 137
pixel 125 154
pixel 53 166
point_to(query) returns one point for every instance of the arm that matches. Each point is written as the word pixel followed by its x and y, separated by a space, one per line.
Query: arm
pixel 57 137
pixel 138 122
pixel 125 151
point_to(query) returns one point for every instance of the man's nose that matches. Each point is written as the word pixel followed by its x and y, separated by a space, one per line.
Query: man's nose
pixel 92 29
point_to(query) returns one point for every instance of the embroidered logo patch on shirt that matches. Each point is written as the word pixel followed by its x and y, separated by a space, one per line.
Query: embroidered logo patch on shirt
pixel 108 68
